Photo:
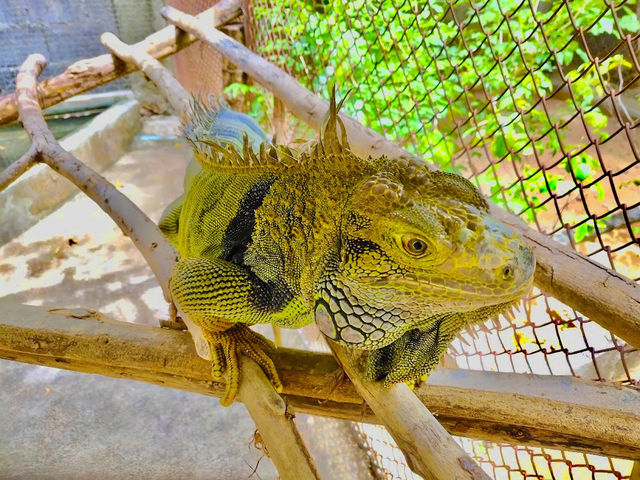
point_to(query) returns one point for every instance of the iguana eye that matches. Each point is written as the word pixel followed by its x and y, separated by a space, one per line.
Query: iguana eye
pixel 414 246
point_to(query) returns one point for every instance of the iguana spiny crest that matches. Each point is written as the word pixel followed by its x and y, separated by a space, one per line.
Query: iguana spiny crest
pixel 384 254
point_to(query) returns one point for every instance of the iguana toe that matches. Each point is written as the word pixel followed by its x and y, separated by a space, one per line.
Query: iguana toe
pixel 225 347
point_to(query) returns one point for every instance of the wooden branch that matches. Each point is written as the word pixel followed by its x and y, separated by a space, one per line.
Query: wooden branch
pixel 278 431
pixel 17 168
pixel 607 297
pixel 429 450
pixel 93 72
pixel 276 426
pixel 537 410
pixel 158 253
pixel 152 68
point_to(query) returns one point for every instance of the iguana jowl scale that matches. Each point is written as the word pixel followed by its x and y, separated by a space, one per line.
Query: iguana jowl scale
pixel 384 254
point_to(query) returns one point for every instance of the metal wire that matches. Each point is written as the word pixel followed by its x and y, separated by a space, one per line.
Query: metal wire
pixel 198 67
pixel 537 103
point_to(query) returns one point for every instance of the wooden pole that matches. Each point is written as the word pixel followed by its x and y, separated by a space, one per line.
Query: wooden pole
pixel 607 297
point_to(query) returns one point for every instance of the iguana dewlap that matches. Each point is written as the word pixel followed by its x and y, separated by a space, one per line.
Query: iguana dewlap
pixel 384 254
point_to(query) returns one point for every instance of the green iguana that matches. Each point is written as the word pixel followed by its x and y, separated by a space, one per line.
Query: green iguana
pixel 385 255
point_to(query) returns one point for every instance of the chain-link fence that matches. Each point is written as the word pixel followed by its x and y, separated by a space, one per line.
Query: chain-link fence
pixel 537 102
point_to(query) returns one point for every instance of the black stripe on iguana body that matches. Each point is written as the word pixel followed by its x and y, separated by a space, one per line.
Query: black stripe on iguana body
pixel 239 231
pixel 384 254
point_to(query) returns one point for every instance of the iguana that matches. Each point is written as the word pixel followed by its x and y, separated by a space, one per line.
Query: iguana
pixel 384 254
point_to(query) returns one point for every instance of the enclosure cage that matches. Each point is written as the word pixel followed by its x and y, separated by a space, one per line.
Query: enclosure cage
pixel 537 102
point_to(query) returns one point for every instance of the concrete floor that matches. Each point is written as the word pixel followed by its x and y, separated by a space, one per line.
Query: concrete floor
pixel 56 424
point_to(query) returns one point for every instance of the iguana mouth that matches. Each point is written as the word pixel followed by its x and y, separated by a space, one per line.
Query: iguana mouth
pixel 452 291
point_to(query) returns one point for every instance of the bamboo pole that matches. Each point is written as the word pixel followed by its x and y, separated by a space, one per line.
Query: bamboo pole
pixel 536 410
pixel 92 72
pixel 604 295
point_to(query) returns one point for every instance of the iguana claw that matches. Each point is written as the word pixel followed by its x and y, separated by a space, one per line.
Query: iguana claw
pixel 174 322
pixel 225 347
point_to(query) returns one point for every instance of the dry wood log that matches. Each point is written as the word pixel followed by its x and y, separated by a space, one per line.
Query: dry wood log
pixel 93 72
pixel 537 410
pixel 602 294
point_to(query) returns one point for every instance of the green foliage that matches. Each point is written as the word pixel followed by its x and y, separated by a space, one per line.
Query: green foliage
pixel 415 79
pixel 258 100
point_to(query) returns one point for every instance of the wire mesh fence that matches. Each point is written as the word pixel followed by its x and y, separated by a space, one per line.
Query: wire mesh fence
pixel 536 102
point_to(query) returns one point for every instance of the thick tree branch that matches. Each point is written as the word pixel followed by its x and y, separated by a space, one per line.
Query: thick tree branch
pixel 536 410
pixel 605 296
pixel 93 72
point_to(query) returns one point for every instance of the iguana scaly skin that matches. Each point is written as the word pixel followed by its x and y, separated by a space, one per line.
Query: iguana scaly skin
pixel 384 254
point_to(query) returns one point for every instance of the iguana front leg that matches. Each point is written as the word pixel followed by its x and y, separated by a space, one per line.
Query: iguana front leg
pixel 218 296
pixel 414 354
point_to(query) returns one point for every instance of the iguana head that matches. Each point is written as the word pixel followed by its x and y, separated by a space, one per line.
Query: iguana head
pixel 419 258
pixel 416 245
